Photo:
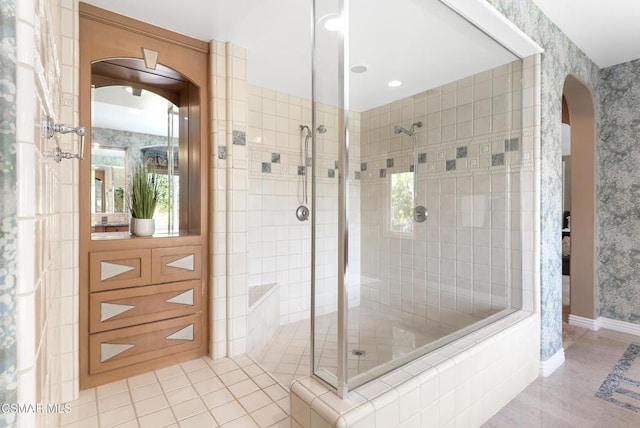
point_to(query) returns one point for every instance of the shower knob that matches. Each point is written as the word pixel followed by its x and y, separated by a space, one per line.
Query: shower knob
pixel 302 213
pixel 420 214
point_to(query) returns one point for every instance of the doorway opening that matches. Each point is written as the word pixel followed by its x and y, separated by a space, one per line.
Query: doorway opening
pixel 566 211
pixel 579 203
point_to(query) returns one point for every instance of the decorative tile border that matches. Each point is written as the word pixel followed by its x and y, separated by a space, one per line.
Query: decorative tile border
pixel 497 159
pixel 222 152
pixel 615 382
pixel 496 152
pixel 240 138
pixel 287 164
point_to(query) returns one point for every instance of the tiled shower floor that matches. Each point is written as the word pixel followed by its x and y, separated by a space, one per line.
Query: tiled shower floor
pixel 381 336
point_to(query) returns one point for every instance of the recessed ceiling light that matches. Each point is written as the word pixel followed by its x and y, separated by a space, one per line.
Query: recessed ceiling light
pixel 359 68
pixel 333 24
pixel 394 83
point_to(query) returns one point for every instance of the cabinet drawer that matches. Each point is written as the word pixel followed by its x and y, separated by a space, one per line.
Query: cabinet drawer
pixel 124 308
pixel 126 346
pixel 176 264
pixel 110 270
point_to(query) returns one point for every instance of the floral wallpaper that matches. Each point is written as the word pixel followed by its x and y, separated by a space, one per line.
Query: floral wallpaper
pixel 560 58
pixel 134 142
pixel 618 193
pixel 8 225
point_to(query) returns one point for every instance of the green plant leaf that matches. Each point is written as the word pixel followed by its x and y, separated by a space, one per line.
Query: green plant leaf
pixel 143 195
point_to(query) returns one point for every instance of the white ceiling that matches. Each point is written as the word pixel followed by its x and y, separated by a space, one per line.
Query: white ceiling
pixel 607 31
pixel 422 43
pixel 115 108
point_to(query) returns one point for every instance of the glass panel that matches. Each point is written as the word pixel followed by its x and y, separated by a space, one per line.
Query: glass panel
pixel 325 173
pixel 434 137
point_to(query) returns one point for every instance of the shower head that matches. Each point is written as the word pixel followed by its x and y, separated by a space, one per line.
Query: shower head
pixel 321 129
pixel 410 132
pixel 399 130
pixel 303 127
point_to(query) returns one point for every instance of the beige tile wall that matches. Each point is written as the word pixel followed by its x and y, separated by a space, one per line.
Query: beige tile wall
pixel 228 281
pixel 465 261
pixel 47 288
pixel 280 245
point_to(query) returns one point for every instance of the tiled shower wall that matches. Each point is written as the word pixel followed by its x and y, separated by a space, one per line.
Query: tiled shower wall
pixel 228 199
pixel 476 134
pixel 280 245
pixel 47 209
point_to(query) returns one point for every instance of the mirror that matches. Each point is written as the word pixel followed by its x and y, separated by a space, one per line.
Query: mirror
pixel 136 117
pixel 109 172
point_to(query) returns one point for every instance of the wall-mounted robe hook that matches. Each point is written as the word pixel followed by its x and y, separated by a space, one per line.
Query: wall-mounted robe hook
pixel 50 128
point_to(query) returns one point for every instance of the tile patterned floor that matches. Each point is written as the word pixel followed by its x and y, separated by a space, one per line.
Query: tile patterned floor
pixel 226 393
pixel 238 393
pixel 383 337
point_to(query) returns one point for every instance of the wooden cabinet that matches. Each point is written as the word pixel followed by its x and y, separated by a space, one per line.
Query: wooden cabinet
pixel 123 347
pixel 121 308
pixel 110 270
pixel 144 304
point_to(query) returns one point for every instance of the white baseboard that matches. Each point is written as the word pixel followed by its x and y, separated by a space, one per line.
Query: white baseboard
pixel 621 326
pixel 550 365
pixel 587 323
pixel 608 323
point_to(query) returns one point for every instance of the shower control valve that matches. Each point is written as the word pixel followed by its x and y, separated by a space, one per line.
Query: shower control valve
pixel 302 213
pixel 420 214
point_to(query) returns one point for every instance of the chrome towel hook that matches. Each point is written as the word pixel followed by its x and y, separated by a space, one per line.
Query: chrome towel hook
pixel 50 128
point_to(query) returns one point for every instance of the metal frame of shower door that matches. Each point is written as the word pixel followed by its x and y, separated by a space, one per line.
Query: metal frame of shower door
pixel 343 200
pixel 312 323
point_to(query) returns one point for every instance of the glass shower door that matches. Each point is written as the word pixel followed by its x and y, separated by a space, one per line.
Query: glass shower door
pixel 416 222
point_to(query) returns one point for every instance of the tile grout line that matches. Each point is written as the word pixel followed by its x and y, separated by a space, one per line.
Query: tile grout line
pixel 133 404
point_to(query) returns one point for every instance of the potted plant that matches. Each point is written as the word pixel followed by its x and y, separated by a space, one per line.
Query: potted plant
pixel 143 199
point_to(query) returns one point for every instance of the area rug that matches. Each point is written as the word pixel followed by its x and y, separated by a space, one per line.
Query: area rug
pixel 622 386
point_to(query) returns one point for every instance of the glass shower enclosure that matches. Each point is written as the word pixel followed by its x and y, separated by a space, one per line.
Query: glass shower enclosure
pixel 416 184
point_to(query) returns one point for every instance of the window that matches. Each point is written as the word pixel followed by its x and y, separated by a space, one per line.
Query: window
pixel 401 209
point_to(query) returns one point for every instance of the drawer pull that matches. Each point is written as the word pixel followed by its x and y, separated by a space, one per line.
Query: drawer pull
pixel 110 310
pixel 110 350
pixel 185 298
pixel 110 270
pixel 183 334
pixel 186 263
